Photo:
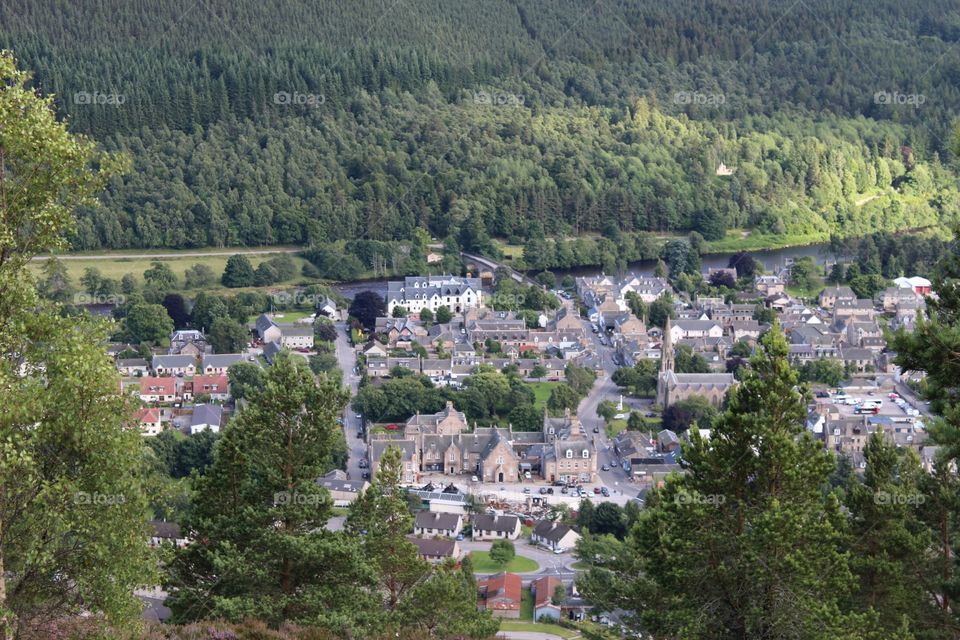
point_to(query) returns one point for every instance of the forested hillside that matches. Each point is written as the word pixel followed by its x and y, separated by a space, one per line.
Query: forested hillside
pixel 834 116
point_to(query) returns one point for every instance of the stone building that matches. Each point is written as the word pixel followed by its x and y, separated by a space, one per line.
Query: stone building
pixel 673 387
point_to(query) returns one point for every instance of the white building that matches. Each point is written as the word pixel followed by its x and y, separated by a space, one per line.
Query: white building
pixel 416 293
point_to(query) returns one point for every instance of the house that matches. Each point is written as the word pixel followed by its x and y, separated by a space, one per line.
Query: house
pixel 434 524
pixel 133 367
pixel 858 358
pixel 327 308
pixel 342 490
pixel 830 295
pixel 216 386
pixel 408 453
pixel 162 531
pixel 920 286
pixel 416 293
pixel 554 535
pixel 768 285
pixel 160 389
pixel 436 550
pixel 296 337
pixel 495 527
pixel 218 364
pixel 149 421
pixel 500 594
pixel 188 342
pixel 543 590
pixel 667 441
pixel 685 329
pixel 174 365
pixel 205 417
pixel 267 329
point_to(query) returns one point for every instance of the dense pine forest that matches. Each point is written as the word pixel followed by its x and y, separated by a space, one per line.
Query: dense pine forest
pixel 309 122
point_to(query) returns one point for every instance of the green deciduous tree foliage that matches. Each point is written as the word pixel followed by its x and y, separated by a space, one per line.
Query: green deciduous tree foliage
pixel 238 272
pixel 228 336
pixel 71 501
pixel 502 552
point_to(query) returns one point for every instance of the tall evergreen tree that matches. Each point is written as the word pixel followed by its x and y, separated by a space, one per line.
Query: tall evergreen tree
pixel 745 544
pixel 261 549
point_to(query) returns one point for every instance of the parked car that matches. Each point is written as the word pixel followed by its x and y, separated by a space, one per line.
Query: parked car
pixel 392 427
pixel 596 429
pixel 543 491
pixel 366 475
pixel 459 536
pixel 605 492
pixel 604 468
pixel 550 491
pixel 526 489
pixel 596 490
pixel 362 464
pixel 474 479
pixel 564 491
pixel 526 474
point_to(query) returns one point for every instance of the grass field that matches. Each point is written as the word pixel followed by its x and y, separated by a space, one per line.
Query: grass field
pixel 541 391
pixel 116 265
pixel 526 605
pixel 557 630
pixel 520 564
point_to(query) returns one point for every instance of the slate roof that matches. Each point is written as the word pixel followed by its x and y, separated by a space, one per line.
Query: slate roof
pixel 436 520
pixel 173 362
pixel 220 360
pixel 487 522
pixel 551 530
pixel 434 547
pixel 206 414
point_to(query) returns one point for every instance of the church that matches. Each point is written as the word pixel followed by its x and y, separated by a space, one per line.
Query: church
pixel 673 387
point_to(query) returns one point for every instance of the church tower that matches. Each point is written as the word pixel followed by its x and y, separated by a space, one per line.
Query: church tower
pixel 665 378
pixel 666 349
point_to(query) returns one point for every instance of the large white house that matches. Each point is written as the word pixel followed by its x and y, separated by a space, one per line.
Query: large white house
pixel 416 293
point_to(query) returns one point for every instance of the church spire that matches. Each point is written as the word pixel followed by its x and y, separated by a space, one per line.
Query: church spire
pixel 666 348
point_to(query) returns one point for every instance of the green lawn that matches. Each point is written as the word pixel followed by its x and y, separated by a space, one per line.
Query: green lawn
pixel 580 565
pixel 541 393
pixel 287 317
pixel 483 564
pixel 615 426
pixel 557 630
pixel 526 605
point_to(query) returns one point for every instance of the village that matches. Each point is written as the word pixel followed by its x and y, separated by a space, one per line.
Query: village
pixel 476 485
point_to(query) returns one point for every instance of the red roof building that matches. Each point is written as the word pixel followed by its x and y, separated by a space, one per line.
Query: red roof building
pixel 500 594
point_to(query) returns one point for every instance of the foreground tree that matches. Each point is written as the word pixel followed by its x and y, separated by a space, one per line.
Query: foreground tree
pixel 261 548
pixel 933 349
pixel 72 510
pixel 746 544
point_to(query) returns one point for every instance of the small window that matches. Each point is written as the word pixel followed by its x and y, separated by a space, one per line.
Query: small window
pixel 499 459
pixel 586 453
pixel 569 453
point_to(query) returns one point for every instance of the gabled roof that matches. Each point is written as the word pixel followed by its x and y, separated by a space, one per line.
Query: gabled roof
pixel 551 530
pixel 220 360
pixel 206 414
pixel 488 522
pixel 173 362
pixel 434 547
pixel 436 520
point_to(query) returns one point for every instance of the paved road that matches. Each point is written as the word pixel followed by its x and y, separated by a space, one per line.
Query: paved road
pixel 347 358
pixel 604 389
pixel 550 563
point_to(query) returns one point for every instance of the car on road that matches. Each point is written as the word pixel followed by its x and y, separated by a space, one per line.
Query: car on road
pixel 526 474
pixel 650 414
pixel 362 464
pixel 526 489
pixel 604 468
pixel 564 491
pixel 474 479
pixel 559 551
pixel 550 491
pixel 366 475
pixel 543 491
pixel 596 429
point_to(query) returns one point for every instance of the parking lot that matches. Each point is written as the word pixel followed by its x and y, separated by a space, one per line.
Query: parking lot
pixel 887 404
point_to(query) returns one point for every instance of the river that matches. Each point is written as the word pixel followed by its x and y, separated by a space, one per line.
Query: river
pixel 773 261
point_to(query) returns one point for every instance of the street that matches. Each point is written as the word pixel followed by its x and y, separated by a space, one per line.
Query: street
pixel 347 358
